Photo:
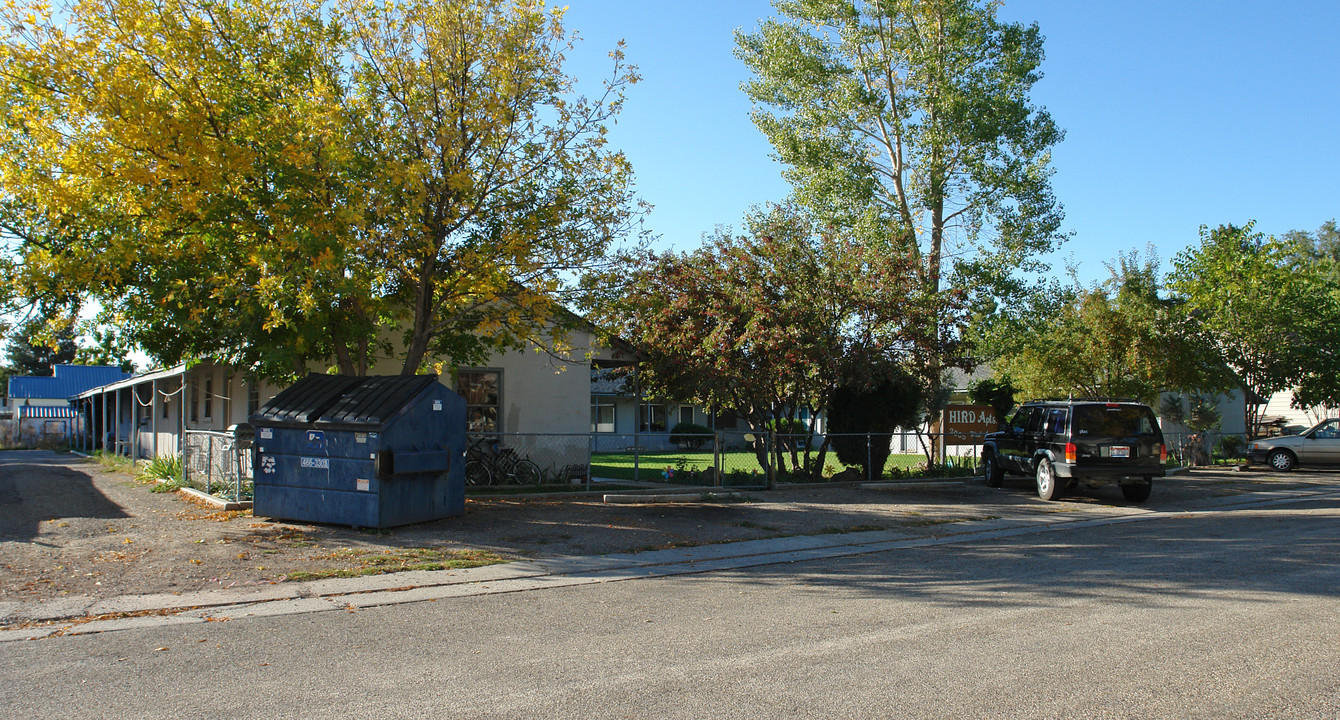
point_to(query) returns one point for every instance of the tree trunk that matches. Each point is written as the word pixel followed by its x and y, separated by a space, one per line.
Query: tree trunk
pixel 421 334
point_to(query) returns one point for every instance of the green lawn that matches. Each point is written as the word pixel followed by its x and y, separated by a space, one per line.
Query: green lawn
pixel 736 466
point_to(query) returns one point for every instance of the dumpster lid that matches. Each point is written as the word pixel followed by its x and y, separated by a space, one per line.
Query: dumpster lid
pixel 341 400
pixel 376 399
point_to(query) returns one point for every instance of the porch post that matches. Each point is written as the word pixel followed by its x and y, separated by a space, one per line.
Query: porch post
pixel 153 414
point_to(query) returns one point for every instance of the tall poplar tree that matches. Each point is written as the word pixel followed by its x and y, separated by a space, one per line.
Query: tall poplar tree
pixel 909 122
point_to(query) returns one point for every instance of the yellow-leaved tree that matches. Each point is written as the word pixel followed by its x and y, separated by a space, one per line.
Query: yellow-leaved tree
pixel 274 183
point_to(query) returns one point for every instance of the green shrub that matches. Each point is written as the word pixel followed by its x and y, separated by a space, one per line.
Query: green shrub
pixel 788 426
pixel 164 468
pixel 1230 446
pixel 999 394
pixel 690 436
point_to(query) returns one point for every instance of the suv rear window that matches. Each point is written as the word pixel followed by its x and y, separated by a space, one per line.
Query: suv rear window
pixel 1114 420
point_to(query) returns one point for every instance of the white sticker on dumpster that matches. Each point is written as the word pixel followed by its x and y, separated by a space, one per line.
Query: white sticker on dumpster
pixel 318 463
pixel 267 434
pixel 437 404
pixel 360 437
pixel 363 484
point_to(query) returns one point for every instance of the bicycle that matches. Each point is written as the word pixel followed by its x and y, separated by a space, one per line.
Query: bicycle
pixel 488 464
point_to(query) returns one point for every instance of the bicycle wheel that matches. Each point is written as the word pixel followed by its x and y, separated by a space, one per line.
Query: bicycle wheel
pixel 527 473
pixel 477 473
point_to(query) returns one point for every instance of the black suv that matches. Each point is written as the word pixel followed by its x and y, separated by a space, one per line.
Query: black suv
pixel 1080 440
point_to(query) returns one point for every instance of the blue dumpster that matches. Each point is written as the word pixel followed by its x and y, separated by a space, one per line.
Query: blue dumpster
pixel 375 452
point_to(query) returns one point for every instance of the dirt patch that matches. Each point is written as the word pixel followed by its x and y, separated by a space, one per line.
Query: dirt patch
pixel 71 526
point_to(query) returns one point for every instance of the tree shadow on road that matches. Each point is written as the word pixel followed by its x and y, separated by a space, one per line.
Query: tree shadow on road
pixel 32 492
pixel 1170 560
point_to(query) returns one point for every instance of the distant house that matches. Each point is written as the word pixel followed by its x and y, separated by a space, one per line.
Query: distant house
pixel 41 407
pixel 621 417
pixel 1280 417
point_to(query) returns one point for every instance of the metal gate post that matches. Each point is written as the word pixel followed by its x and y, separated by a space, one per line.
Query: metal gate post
pixel 716 459
pixel 771 440
pixel 637 449
pixel 868 459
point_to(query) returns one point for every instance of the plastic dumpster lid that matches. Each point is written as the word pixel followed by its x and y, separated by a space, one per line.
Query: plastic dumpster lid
pixel 303 402
pixel 374 400
pixel 342 400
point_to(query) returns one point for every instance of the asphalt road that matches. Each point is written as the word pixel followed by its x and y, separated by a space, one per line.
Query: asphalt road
pixel 1226 614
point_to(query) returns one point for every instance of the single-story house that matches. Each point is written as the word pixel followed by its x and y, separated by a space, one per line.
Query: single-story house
pixel 1280 417
pixel 536 402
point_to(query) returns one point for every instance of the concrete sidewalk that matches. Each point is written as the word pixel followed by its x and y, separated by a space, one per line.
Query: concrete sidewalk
pixel 72 616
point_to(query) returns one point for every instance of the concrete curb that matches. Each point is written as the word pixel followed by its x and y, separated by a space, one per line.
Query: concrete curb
pixel 918 484
pixel 219 503
pixel 695 497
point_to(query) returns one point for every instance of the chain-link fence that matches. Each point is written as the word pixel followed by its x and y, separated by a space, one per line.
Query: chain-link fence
pixel 528 459
pixel 212 463
pixel 756 459
pixel 1207 447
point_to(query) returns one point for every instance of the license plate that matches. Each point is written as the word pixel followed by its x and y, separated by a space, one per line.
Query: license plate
pixel 1121 451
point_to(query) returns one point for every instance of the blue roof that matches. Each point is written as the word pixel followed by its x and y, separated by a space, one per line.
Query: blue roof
pixel 69 380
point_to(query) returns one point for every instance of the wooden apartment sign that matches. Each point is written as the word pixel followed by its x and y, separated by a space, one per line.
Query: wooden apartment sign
pixel 970 421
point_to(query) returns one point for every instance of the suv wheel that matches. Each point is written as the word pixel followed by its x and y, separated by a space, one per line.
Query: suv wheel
pixel 1282 460
pixel 1138 492
pixel 995 475
pixel 1049 486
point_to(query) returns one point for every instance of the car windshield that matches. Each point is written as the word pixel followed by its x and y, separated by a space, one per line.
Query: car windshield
pixel 1114 420
pixel 1326 430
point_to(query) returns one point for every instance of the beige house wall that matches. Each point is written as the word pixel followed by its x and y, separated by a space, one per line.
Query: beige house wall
pixel 1296 419
pixel 544 401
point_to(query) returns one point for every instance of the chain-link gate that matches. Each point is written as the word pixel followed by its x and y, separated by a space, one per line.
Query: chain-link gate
pixel 217 463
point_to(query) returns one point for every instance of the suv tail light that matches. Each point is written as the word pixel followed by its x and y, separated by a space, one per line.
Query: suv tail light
pixel 1071 452
pixel 1163 454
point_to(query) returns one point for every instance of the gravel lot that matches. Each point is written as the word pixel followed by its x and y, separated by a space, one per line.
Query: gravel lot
pixel 72 526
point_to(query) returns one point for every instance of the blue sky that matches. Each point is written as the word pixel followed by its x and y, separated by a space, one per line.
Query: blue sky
pixel 1177 114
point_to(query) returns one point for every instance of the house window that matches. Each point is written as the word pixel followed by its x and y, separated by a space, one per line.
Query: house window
pixel 253 398
pixel 209 398
pixel 482 406
pixel 602 416
pixel 195 402
pixel 165 407
pixel 653 418
pixel 686 414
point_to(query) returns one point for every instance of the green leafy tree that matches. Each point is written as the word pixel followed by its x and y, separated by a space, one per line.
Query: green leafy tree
pixel 39 344
pixel 273 183
pixel 1317 256
pixel 105 347
pixel 909 124
pixel 863 415
pixel 760 324
pixel 1319 249
pixel 1119 338
pixel 997 393
pixel 1244 297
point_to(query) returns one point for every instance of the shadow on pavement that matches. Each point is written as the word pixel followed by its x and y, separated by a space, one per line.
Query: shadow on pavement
pixel 33 491
pixel 1175 559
